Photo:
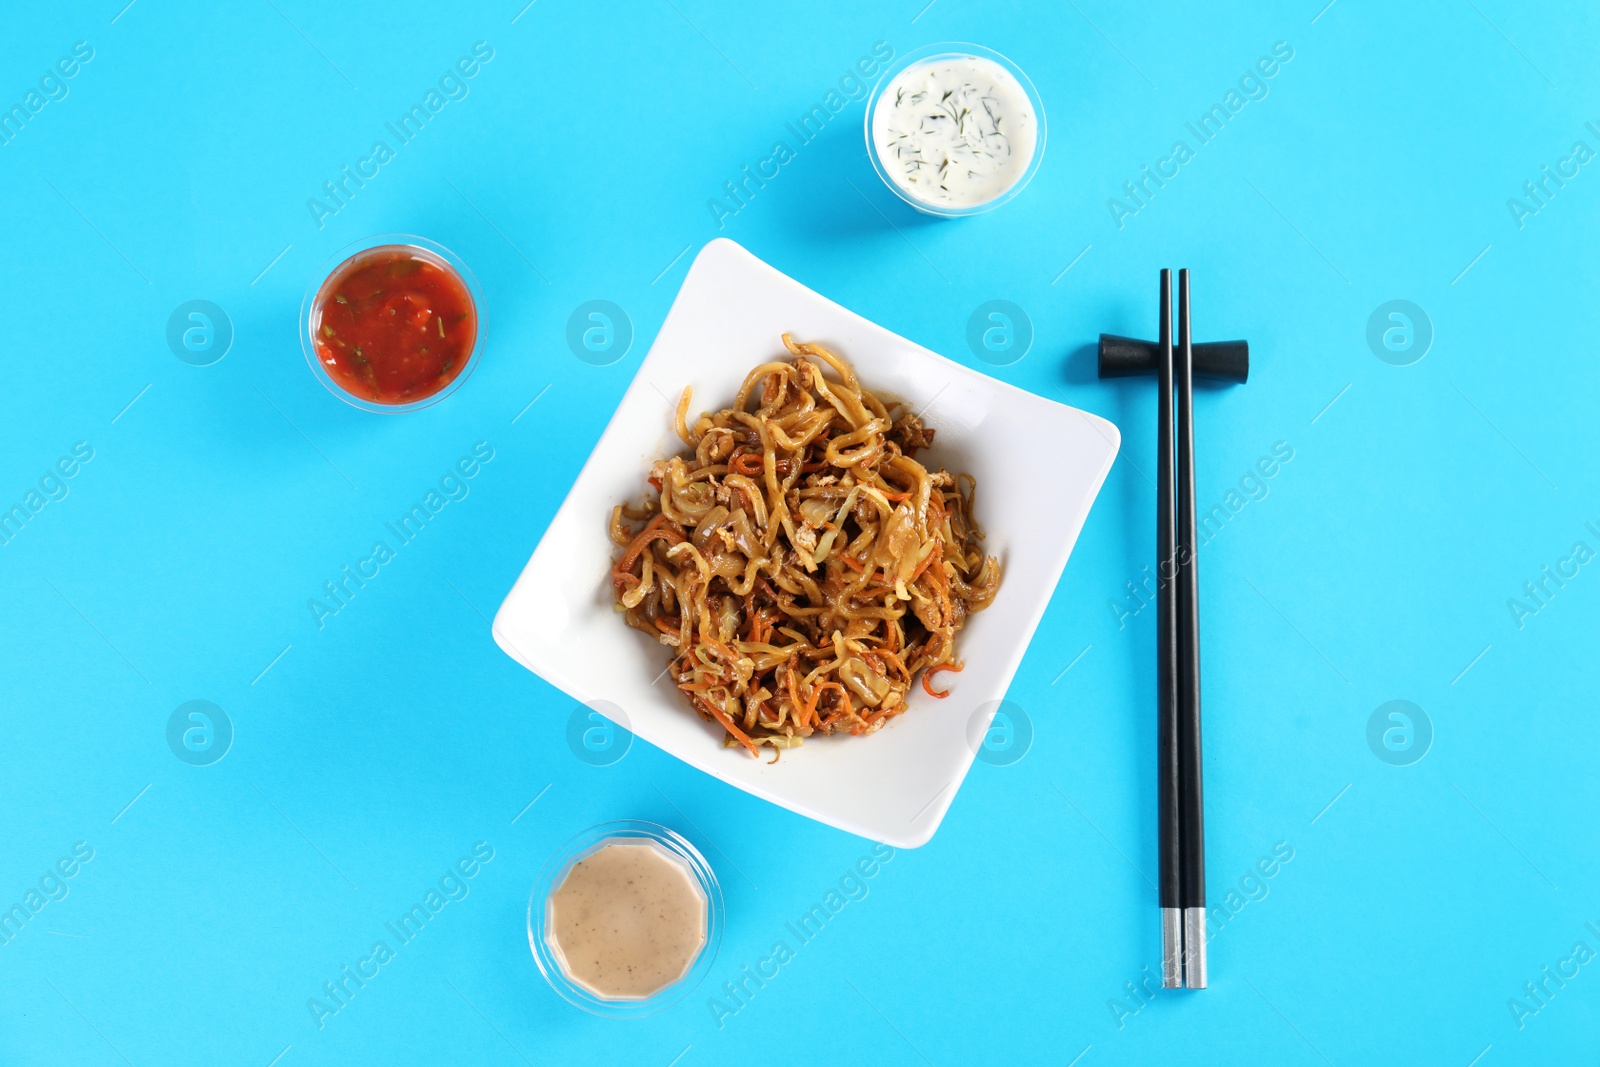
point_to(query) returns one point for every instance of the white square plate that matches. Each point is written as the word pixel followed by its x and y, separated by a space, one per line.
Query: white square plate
pixel 1038 466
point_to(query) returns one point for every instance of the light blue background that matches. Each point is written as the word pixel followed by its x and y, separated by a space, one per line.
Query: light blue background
pixel 379 749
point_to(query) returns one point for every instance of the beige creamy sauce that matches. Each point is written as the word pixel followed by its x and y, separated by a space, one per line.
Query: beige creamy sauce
pixel 627 921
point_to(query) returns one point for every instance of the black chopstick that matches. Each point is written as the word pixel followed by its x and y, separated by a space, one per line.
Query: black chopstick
pixel 1180 796
pixel 1167 771
pixel 1191 817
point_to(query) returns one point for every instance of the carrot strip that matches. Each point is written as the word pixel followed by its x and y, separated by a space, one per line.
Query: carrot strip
pixel 869 721
pixel 941 584
pixel 894 657
pixel 727 653
pixel 753 630
pixel 737 734
pixel 927 677
pixel 846 712
pixel 811 706
pixel 653 530
pixel 816 696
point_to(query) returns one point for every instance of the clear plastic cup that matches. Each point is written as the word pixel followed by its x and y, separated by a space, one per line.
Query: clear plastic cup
pixel 932 54
pixel 335 267
pixel 547 953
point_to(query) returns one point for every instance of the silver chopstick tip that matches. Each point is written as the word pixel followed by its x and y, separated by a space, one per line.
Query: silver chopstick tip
pixel 1194 948
pixel 1171 948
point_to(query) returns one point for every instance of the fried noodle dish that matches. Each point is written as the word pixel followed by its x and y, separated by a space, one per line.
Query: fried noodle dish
pixel 802 565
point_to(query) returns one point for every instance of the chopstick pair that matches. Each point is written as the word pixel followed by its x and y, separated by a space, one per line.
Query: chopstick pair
pixel 1180 803
pixel 1180 808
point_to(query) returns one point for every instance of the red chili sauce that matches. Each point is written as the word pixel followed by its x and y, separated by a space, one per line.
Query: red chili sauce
pixel 394 325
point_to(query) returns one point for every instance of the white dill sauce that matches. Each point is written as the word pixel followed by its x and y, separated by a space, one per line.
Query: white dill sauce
pixel 627 921
pixel 955 132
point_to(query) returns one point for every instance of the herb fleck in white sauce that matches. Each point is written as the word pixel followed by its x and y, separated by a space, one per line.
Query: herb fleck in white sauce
pixel 956 132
